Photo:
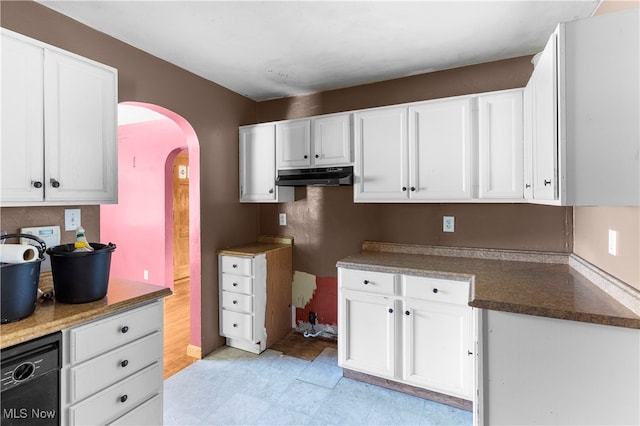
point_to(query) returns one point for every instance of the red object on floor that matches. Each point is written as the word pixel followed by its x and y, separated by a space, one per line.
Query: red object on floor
pixel 324 302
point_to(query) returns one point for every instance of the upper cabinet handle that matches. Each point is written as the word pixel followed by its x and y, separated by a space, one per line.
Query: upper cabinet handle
pixel 404 188
pixel 54 183
pixel 317 156
pixel 547 182
pixel 36 184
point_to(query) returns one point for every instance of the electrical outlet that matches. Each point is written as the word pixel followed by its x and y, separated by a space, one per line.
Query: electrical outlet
pixel 448 223
pixel 283 219
pixel 613 242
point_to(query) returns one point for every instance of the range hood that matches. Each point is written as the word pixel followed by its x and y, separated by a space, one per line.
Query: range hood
pixel 323 176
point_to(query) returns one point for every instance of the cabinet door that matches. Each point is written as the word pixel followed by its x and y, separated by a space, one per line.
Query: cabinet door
pixel 258 165
pixel 440 143
pixel 22 150
pixel 80 130
pixel 293 143
pixel 500 145
pixel 381 150
pixel 332 140
pixel 545 132
pixel 438 346
pixel 367 334
pixel 528 141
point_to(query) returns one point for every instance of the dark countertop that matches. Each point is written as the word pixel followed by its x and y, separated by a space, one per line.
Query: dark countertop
pixel 553 290
pixel 52 316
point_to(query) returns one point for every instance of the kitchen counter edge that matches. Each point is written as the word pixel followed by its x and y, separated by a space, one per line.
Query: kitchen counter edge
pixel 499 283
pixel 51 316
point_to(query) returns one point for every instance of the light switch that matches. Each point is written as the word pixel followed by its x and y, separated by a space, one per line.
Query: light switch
pixel 72 219
pixel 283 219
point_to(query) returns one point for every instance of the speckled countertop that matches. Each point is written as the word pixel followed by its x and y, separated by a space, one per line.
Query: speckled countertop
pixel 543 288
pixel 264 244
pixel 51 316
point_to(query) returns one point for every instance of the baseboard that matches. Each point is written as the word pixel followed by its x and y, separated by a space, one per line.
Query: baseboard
pixel 194 351
pixel 453 401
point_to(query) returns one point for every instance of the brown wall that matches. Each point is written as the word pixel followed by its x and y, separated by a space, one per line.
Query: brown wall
pixel 592 224
pixel 214 112
pixel 327 225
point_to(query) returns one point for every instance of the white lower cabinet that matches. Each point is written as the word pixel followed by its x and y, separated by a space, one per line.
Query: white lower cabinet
pixel 418 330
pixel 113 369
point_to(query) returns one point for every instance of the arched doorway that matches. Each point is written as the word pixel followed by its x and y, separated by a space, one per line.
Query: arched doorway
pixel 150 138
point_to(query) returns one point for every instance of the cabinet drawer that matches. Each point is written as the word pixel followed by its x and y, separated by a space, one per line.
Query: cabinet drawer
pixel 237 283
pixel 371 282
pixel 237 302
pixel 235 324
pixel 101 336
pixel 149 413
pixel 436 289
pixel 119 399
pixel 105 370
pixel 237 265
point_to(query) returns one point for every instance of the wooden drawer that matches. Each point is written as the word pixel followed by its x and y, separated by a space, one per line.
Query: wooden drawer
pixel 105 370
pixel 237 265
pixel 371 282
pixel 238 325
pixel 101 336
pixel 237 283
pixel 119 399
pixel 237 302
pixel 436 289
pixel 149 413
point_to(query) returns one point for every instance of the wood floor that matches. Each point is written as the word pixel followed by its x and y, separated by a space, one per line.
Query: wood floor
pixel 177 329
pixel 177 334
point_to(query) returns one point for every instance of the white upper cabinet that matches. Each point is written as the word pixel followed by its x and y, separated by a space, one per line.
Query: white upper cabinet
pixel 584 96
pixel 310 142
pixel 426 152
pixel 258 166
pixel 381 154
pixel 22 149
pixel 80 130
pixel 440 144
pixel 59 133
pixel 500 145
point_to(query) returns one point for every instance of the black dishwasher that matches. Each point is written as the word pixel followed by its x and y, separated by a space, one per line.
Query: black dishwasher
pixel 30 382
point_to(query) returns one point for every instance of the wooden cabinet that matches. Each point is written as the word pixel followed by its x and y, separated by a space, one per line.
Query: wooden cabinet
pixel 500 145
pixel 314 142
pixel 258 166
pixel 410 329
pixel 255 284
pixel 112 369
pixel 59 135
pixel 440 150
pixel 584 102
pixel 381 154
pixel 456 149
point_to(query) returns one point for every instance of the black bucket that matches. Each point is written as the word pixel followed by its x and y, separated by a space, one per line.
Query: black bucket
pixel 80 277
pixel 19 284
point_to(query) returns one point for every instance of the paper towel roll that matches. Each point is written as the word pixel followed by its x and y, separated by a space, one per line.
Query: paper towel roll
pixel 18 253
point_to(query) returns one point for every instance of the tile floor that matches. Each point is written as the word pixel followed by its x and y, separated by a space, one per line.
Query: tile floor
pixel 234 387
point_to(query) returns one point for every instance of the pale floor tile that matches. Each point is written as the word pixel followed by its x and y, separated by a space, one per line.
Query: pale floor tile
pixel 234 387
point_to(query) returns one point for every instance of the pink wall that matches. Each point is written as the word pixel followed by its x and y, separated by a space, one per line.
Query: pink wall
pixel 137 223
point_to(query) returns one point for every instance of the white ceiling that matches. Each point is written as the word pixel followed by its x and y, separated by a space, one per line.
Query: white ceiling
pixel 273 49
